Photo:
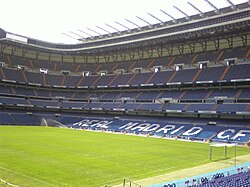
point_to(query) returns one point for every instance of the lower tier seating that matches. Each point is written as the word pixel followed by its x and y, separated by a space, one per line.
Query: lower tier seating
pixel 229 131
pixel 167 128
pixel 124 106
pixel 239 179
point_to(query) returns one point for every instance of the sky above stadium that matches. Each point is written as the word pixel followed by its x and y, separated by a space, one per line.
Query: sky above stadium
pixel 48 19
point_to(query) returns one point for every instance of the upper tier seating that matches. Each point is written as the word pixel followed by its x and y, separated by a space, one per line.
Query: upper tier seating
pixel 211 74
pixel 211 56
pixel 240 71
pixel 104 80
pixel 121 80
pixel 71 81
pixel 193 74
pixel 140 78
pixel 88 81
pixel 161 78
pixel 37 78
pixel 184 75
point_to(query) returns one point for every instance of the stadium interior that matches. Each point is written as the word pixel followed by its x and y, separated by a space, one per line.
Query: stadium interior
pixel 184 79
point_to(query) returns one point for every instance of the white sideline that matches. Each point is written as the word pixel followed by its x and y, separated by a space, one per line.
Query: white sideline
pixel 7 183
pixel 26 176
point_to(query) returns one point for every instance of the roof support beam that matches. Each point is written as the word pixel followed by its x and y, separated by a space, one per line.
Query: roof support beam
pixel 103 29
pixel 216 10
pixel 230 42
pixel 155 17
pixel 145 21
pixel 160 51
pixel 140 54
pixel 97 58
pixel 187 16
pixel 94 31
pixel 69 36
pixel 133 23
pixel 194 7
pixel 122 25
pixel 150 52
pixel 112 27
pixel 216 44
pixel 170 50
pixel 114 57
pixel 85 33
pixel 174 20
pixel 204 45
pixel 244 39
pixel 76 34
pixel 85 58
pixel 233 7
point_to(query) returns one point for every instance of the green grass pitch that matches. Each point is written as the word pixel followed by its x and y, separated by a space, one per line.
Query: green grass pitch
pixel 43 156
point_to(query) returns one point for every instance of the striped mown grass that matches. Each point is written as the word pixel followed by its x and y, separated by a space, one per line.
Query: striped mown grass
pixel 44 156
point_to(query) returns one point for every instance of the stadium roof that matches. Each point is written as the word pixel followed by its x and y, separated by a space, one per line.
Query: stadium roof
pixel 61 21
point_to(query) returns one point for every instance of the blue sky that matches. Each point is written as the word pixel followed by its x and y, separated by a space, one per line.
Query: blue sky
pixel 48 19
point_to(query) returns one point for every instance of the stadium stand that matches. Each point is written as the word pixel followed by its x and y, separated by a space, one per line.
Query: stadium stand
pixel 194 71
